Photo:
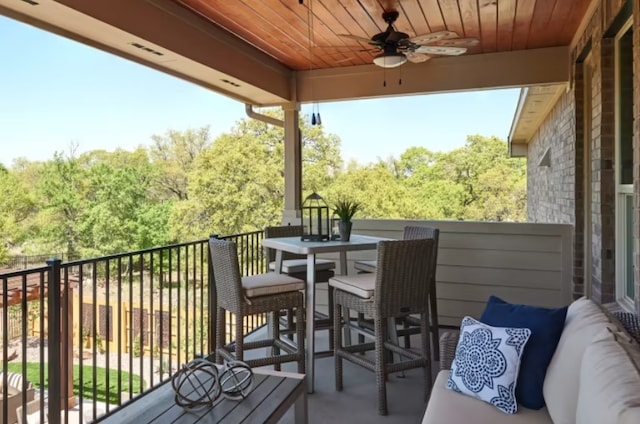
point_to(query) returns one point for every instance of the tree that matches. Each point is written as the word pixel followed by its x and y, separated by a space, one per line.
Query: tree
pixel 475 182
pixel 16 205
pixel 185 188
pixel 379 192
pixel 321 161
pixel 116 204
pixel 99 203
pixel 414 158
pixel 175 154
pixel 60 195
pixel 237 184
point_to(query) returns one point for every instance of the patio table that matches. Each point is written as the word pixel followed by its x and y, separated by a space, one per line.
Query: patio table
pixel 311 249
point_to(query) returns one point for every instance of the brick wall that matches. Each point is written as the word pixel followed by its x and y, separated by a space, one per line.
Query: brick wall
pixel 555 193
pixel 551 190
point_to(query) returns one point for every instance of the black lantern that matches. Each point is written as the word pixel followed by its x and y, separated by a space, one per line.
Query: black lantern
pixel 315 218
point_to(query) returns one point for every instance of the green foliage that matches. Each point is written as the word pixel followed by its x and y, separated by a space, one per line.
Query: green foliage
pixel 95 204
pixel 237 185
pixel 321 160
pixel 186 187
pixel 99 343
pixel 345 209
pixel 175 153
pixel 16 205
pixel 379 193
pixel 137 346
pixel 61 191
pixel 103 393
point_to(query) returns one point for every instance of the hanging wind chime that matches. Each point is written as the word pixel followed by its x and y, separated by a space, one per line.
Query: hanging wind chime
pixel 315 115
pixel 315 108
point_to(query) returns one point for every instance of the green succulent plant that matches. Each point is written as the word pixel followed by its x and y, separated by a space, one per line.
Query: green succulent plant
pixel 345 209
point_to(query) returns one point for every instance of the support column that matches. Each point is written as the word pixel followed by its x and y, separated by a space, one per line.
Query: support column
pixel 292 164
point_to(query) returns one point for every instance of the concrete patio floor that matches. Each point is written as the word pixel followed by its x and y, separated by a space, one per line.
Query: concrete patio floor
pixel 357 402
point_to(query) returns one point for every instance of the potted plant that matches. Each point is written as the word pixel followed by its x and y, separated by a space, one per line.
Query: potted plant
pixel 345 209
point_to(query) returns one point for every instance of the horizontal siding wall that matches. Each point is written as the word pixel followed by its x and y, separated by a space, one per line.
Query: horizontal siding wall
pixel 520 262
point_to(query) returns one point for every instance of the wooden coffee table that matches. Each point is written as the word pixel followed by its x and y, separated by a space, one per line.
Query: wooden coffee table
pixel 272 395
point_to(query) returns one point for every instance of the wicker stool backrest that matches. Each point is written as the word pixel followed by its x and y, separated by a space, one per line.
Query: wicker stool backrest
pixel 282 231
pixel 429 233
pixel 226 273
pixel 402 277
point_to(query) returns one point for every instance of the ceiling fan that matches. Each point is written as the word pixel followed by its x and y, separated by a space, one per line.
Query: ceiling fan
pixel 395 48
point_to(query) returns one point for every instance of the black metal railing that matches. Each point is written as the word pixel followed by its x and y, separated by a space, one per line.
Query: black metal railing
pixel 95 332
pixel 27 261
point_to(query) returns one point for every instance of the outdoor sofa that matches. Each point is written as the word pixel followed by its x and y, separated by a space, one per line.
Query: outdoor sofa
pixel 593 377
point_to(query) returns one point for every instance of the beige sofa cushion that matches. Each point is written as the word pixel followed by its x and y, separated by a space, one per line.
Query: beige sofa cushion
pixel 448 407
pixel 610 382
pixel 584 321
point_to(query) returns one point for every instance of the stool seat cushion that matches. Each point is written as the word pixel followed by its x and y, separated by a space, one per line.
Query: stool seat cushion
pixel 292 266
pixel 270 283
pixel 366 266
pixel 361 285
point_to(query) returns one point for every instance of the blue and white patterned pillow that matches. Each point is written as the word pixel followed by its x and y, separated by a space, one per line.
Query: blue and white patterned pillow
pixel 487 362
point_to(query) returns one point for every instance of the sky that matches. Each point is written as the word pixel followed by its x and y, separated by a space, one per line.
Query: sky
pixel 55 93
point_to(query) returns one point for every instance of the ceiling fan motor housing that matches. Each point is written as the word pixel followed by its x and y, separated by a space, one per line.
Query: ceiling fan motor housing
pixel 390 37
pixel 390 16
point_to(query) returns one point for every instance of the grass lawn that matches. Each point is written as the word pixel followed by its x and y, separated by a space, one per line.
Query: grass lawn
pixel 87 389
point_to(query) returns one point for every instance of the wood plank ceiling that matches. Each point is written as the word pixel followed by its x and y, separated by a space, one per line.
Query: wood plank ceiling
pixel 307 36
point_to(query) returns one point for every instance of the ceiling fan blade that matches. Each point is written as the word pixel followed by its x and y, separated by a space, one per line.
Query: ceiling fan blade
pixel 434 36
pixel 355 37
pixel 416 57
pixel 466 42
pixel 443 50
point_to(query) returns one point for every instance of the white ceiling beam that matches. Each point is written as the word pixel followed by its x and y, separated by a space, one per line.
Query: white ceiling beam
pixel 461 73
pixel 198 43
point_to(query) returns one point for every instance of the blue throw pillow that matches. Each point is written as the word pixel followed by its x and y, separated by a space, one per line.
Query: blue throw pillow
pixel 546 326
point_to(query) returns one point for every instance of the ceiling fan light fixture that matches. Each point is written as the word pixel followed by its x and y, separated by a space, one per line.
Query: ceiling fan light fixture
pixel 389 60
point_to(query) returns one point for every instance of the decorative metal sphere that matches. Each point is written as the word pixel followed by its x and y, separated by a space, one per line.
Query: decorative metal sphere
pixel 196 384
pixel 236 380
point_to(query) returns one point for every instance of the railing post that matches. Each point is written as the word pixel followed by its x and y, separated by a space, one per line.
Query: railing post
pixel 54 340
pixel 212 303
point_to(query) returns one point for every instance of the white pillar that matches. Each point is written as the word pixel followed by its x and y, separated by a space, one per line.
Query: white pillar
pixel 292 165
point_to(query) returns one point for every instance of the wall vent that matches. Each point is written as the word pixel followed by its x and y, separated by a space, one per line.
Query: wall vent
pixel 147 49
pixel 226 81
pixel 545 159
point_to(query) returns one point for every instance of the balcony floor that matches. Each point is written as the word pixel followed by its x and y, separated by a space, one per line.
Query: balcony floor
pixel 357 402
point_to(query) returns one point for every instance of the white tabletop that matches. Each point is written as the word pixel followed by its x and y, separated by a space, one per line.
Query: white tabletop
pixel 296 245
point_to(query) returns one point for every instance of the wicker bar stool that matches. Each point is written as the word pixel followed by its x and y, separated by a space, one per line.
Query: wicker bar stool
pixel 256 294
pixel 410 324
pixel 399 287
pixel 296 266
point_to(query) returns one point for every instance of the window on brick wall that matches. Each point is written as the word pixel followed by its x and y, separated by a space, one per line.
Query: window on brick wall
pixel 624 165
